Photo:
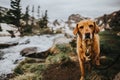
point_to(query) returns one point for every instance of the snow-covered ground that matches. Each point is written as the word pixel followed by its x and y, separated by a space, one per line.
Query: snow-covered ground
pixel 63 26
pixel 12 54
pixel 43 42
pixel 5 28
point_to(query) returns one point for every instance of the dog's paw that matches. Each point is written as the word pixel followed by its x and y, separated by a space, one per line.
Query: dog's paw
pixel 82 78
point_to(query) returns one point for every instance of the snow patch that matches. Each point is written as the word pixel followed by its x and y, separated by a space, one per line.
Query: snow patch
pixel 12 54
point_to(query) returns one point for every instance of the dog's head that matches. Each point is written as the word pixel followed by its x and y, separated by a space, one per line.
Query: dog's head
pixel 86 29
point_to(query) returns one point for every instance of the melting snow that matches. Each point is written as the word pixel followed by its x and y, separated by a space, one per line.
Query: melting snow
pixel 12 54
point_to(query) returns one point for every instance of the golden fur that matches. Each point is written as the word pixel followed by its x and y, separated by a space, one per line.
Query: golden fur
pixel 87 42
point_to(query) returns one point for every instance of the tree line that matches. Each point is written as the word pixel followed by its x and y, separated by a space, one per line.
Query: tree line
pixel 16 17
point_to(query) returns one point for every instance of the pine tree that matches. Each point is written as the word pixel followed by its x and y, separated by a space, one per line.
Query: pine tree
pixel 0 16
pixel 32 15
pixel 27 15
pixel 45 19
pixel 38 11
pixel 15 12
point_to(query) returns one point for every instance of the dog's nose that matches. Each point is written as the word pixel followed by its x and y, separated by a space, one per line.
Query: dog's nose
pixel 87 35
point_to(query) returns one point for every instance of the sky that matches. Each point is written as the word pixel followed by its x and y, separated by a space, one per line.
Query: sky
pixel 61 9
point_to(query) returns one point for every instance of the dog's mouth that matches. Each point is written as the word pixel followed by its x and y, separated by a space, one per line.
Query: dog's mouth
pixel 87 35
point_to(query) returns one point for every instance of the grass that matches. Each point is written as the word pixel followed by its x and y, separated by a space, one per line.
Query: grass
pixel 59 58
pixel 109 42
pixel 30 69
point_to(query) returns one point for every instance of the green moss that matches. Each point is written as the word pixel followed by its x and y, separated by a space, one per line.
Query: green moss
pixel 18 70
pixel 109 42
pixel 59 58
pixel 64 48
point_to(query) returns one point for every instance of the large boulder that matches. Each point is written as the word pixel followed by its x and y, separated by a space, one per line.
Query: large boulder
pixel 28 51
pixel 34 53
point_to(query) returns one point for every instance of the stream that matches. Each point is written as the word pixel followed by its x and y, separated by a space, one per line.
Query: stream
pixel 10 57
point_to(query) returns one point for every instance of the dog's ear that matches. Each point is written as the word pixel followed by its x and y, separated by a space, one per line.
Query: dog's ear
pixel 75 31
pixel 96 28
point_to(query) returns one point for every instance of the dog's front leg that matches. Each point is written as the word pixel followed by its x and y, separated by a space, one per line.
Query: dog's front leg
pixel 82 69
pixel 97 49
pixel 81 62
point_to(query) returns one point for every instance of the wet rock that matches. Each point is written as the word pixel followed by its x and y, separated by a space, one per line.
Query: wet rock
pixel 6 45
pixel 34 53
pixel 29 51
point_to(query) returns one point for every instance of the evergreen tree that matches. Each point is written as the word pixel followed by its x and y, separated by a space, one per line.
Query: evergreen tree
pixel 0 16
pixel 32 15
pixel 26 17
pixel 38 11
pixel 45 19
pixel 15 12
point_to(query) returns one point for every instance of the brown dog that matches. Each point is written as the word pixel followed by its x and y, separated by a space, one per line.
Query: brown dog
pixel 88 47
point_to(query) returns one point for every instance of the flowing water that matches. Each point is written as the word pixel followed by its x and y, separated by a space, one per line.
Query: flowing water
pixel 10 57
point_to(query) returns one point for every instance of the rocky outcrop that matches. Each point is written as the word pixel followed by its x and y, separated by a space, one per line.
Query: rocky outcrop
pixel 109 21
pixel 75 18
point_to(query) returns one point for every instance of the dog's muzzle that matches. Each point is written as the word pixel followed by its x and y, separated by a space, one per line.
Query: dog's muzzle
pixel 87 35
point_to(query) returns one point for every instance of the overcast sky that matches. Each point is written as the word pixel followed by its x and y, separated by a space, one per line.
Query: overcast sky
pixel 61 9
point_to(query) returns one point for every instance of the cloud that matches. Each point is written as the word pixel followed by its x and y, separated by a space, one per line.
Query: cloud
pixel 63 8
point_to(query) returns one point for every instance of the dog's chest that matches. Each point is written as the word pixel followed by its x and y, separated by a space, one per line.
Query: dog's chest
pixel 88 47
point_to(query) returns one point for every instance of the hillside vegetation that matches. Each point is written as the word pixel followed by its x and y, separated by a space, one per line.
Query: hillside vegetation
pixel 64 64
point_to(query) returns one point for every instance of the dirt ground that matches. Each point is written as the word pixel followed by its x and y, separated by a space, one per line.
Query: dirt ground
pixel 65 71
pixel 71 71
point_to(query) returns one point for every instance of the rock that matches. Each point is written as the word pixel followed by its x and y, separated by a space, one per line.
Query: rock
pixel 29 51
pixel 34 53
pixel 0 29
pixel 9 30
pixel 75 17
pixel 109 21
pixel 6 45
pixel 11 33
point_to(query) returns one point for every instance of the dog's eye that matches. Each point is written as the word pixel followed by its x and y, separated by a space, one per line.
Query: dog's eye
pixel 81 27
pixel 91 26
